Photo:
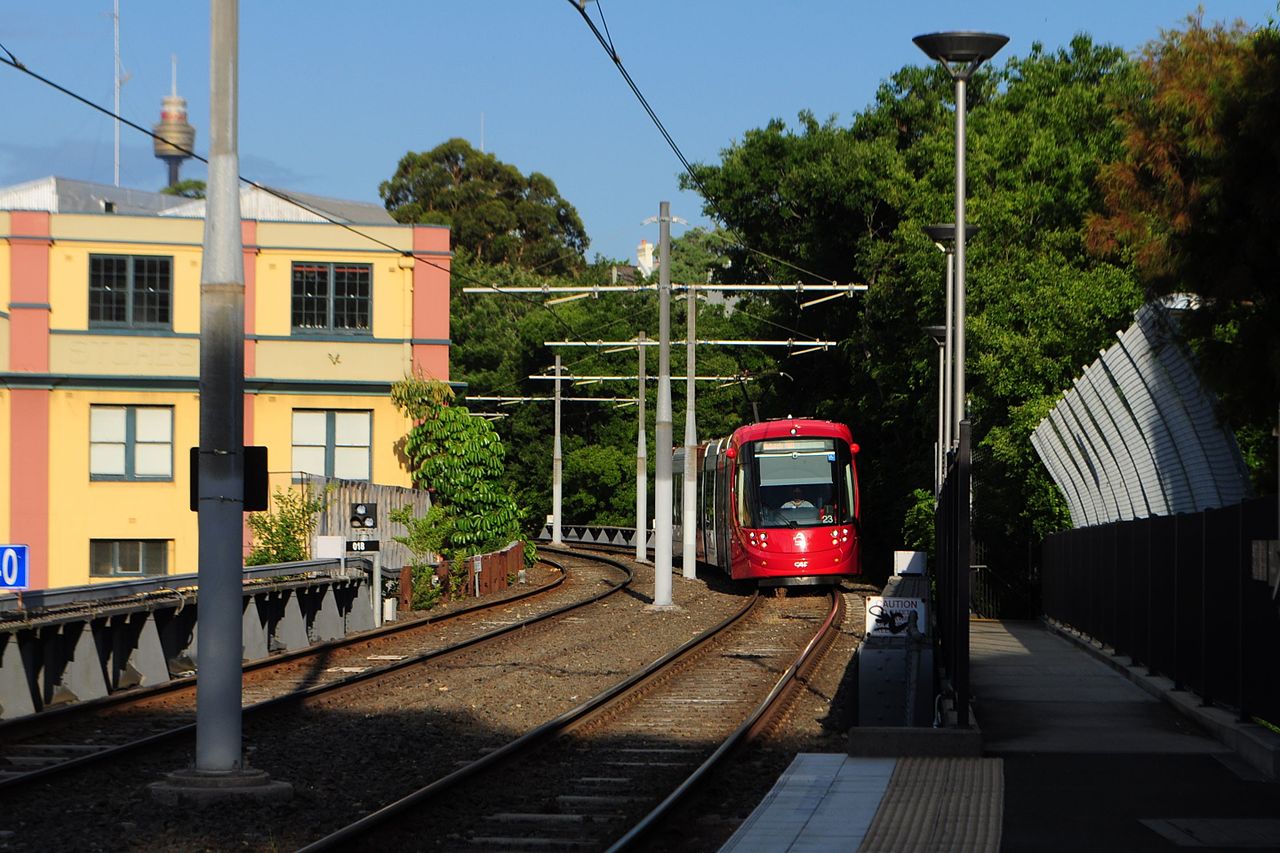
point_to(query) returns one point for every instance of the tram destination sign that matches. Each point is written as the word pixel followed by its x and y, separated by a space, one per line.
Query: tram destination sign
pixel 889 616
pixel 14 573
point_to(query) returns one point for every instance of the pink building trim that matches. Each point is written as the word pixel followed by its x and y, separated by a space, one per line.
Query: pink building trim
pixel 29 292
pixel 431 301
pixel 29 407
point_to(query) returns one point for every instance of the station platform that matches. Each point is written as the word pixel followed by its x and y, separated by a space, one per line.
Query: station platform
pixel 1079 753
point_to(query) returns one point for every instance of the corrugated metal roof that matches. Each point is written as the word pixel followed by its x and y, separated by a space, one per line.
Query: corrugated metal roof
pixel 63 195
pixel 264 207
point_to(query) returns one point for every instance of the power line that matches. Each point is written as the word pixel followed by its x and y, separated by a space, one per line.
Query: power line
pixel 15 63
pixel 607 44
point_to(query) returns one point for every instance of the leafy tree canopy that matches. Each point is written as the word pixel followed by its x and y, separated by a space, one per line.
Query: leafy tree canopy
pixel 1192 200
pixel 189 188
pixel 458 458
pixel 495 213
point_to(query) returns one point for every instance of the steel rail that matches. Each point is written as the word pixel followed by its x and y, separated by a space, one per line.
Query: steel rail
pixel 553 727
pixel 337 685
pixel 31 724
pixel 772 705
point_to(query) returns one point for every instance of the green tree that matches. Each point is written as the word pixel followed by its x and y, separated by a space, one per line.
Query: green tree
pixel 284 535
pixel 849 203
pixel 459 460
pixel 494 212
pixel 190 188
pixel 1191 200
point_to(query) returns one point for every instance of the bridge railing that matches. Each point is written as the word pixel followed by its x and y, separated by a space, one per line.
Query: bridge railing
pixel 1191 597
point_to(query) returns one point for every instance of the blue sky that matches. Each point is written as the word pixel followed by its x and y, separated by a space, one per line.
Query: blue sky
pixel 333 94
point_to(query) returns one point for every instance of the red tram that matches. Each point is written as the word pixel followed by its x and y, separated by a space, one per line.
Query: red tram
pixel 777 502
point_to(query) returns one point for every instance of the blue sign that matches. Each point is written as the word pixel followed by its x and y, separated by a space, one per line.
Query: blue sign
pixel 13 567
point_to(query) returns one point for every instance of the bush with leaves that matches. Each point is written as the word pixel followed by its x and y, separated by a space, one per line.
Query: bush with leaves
pixel 284 536
pixel 459 459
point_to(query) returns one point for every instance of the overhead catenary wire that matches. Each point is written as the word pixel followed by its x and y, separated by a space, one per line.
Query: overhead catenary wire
pixel 12 61
pixel 607 44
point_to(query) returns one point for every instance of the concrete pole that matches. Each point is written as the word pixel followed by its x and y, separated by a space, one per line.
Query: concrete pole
pixel 642 470
pixel 961 239
pixel 948 359
pixel 662 432
pixel 221 459
pixel 689 487
pixel 556 481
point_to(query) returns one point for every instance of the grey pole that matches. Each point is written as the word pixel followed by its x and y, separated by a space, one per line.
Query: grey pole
pixel 940 452
pixel 689 485
pixel 938 334
pixel 642 471
pixel 950 431
pixel 556 482
pixel 960 54
pixel 221 463
pixel 662 432
pixel 959 399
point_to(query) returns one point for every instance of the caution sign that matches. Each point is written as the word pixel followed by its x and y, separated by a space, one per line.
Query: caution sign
pixel 895 617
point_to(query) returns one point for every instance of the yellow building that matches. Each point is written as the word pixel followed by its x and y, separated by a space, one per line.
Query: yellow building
pixel 100 360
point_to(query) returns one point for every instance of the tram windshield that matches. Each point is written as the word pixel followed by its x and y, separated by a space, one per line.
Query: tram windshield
pixel 795 482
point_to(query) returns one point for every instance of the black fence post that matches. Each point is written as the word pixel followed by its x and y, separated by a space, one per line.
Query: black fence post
pixel 1177 565
pixel 1206 688
pixel 962 585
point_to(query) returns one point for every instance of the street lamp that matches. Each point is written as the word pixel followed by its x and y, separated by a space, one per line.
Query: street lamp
pixel 960 53
pixel 940 336
pixel 943 236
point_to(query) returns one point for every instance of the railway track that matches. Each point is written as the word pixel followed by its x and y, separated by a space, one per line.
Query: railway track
pixel 606 771
pixel 45 745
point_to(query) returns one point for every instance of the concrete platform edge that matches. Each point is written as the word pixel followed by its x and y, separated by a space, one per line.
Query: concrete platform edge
pixel 1255 744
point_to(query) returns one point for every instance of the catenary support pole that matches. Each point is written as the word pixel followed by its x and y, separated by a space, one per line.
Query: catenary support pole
pixel 689 485
pixel 662 430
pixel 221 460
pixel 557 484
pixel 642 469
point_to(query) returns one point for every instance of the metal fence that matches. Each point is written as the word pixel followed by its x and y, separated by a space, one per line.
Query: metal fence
pixel 1191 597
pixel 339 495
pixel 954 549
pixel 1004 594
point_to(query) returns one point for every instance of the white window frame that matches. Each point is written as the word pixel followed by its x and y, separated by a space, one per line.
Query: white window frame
pixel 139 438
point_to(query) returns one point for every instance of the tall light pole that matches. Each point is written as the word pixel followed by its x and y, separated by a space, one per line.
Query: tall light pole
pixel 960 53
pixel 944 237
pixel 940 335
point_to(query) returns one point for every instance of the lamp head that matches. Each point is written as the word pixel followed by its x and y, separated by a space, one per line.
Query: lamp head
pixel 946 233
pixel 961 52
pixel 938 333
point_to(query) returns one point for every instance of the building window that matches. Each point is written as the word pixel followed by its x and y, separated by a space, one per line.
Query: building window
pixel 332 298
pixel 332 443
pixel 130 292
pixel 130 443
pixel 109 558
